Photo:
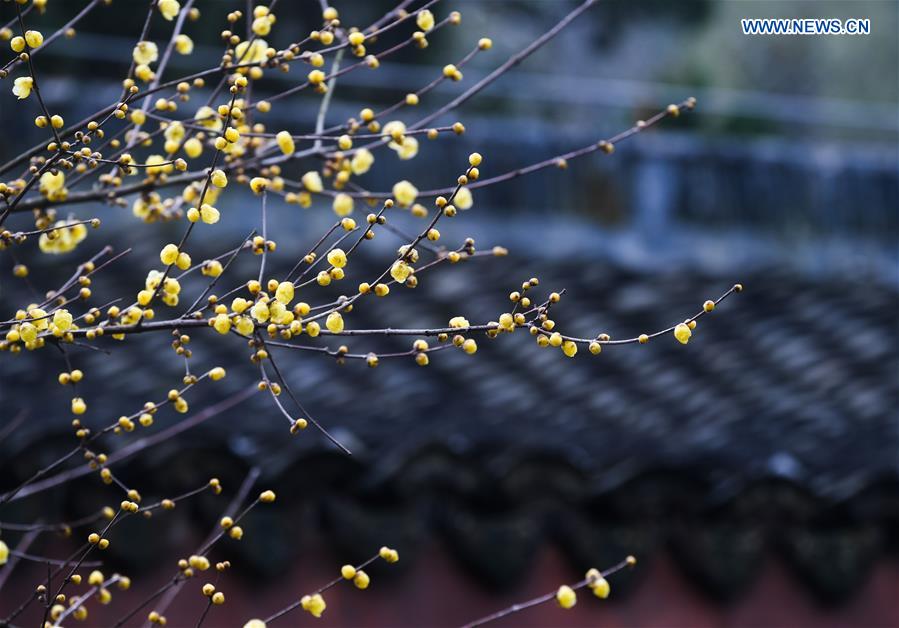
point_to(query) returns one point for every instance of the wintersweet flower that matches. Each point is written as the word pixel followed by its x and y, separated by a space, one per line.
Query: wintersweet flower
pixel 260 312
pixel 246 52
pixel 169 9
pixel 22 87
pixel 285 143
pixel 218 178
pixel 362 161
pixel 425 20
pixel 457 322
pixel 405 193
pixel 184 45
pixel 207 117
pixel 284 292
pixel 408 149
pixel 312 181
pixel 64 237
pixel 463 198
pixel 343 204
pixel 566 597
pixel 313 604
pixel 682 332
pixel 145 52
pixel 400 271
pixel 53 186
pixel 34 39
pixel 361 580
pixel 209 214
pixel 62 320
pixel 168 254
pixel 337 258
pixel 193 148
pixel 334 322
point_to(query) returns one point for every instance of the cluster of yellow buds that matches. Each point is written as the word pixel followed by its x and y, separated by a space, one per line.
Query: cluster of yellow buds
pixel 598 584
pixel 172 255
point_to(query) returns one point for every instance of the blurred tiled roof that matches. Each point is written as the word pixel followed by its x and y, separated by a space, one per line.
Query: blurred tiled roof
pixel 775 425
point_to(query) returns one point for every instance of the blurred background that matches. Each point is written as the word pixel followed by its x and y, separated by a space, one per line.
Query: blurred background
pixel 753 472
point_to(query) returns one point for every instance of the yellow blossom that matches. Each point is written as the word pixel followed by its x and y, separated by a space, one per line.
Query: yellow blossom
pixel 222 323
pixel 258 184
pixel 28 333
pixel 169 9
pixel 463 199
pixel 314 604
pixel 343 204
pixel 193 148
pixel 245 326
pixel 22 87
pixel 334 322
pixel 175 132
pixel 245 52
pixel 408 149
pixel 400 271
pixel 425 20
pixel 169 254
pixel 284 293
pixel 361 581
pixel 67 237
pixel 458 322
pixel 157 164
pixel 34 38
pixel 682 332
pixel 62 320
pixel 285 142
pixel 337 258
pixel 361 161
pixel 145 52
pixel 262 25
pixel 219 179
pixel 393 130
pixel 144 72
pixel 183 261
pixel 312 181
pixel 207 117
pixel 601 588
pixel 53 185
pixel 566 597
pixel 260 311
pixel 4 553
pixel 184 44
pixel 405 193
pixel 209 214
